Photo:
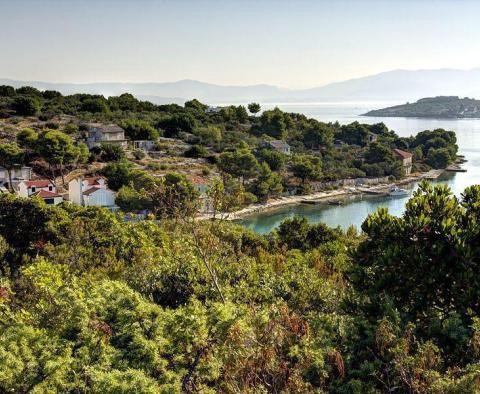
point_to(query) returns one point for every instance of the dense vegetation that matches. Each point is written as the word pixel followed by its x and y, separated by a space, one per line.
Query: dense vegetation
pixel 46 130
pixel 89 303
pixel 434 107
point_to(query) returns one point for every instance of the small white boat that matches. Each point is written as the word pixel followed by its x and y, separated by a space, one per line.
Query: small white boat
pixel 397 191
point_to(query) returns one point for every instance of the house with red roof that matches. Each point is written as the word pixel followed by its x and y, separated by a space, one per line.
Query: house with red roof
pixel 91 191
pixel 405 158
pixel 42 188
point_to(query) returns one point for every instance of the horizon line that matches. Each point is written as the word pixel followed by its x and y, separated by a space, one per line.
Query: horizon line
pixel 242 86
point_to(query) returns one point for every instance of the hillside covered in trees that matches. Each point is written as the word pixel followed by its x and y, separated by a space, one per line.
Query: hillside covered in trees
pixel 195 145
pixel 433 107
pixel 91 304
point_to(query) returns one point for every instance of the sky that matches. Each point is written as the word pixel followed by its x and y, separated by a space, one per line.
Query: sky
pixel 293 44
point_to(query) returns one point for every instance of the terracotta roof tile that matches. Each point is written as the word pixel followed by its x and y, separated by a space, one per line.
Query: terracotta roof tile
pixel 93 180
pixel 39 183
pixel 402 154
pixel 45 194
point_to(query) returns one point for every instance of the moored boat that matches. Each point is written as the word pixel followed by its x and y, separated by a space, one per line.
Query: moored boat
pixel 397 191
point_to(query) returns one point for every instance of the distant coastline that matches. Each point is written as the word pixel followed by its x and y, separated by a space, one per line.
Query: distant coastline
pixel 441 107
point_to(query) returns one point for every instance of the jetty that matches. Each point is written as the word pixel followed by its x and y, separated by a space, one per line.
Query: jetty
pixel 432 174
pixel 376 192
pixel 455 168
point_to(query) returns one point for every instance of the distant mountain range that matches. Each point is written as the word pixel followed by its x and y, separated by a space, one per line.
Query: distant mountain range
pixel 433 107
pixel 397 85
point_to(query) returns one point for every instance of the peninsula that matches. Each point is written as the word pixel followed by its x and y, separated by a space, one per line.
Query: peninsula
pixel 433 107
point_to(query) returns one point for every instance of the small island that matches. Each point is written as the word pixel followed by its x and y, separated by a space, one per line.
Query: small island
pixel 433 107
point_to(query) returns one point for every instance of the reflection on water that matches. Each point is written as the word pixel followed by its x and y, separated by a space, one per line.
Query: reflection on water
pixel 356 208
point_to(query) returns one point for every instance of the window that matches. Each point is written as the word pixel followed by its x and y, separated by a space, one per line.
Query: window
pixel 33 189
pixel 50 188
pixel 49 201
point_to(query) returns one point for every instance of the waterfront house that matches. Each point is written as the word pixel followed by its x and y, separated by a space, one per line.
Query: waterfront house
pixel 405 158
pixel 42 188
pixel 91 191
pixel 278 145
pixel 98 134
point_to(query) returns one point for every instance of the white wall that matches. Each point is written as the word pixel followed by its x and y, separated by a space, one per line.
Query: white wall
pixel 101 198
pixel 75 191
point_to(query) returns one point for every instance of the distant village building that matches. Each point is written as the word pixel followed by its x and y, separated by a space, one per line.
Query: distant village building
pixel 145 145
pixel 18 174
pixel 105 134
pixel 405 158
pixel 42 188
pixel 279 146
pixel 91 191
pixel 372 137
pixel 213 110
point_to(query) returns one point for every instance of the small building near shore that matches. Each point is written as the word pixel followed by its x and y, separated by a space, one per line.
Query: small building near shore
pixel 405 158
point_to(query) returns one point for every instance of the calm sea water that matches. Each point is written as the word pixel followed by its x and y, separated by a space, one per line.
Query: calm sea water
pixel 356 209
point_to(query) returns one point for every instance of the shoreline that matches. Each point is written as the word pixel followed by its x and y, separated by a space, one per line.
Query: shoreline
pixel 320 196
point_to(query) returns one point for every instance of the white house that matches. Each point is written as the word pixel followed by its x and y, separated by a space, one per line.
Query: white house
pixel 42 188
pixel 18 174
pixel 91 191
pixel 105 134
pixel 146 145
pixel 213 110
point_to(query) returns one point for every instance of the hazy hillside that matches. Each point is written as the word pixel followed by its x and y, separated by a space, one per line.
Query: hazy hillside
pixel 434 107
pixel 403 85
pixel 162 92
pixel 398 85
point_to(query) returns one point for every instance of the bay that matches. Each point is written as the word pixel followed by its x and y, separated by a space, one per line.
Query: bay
pixel 356 208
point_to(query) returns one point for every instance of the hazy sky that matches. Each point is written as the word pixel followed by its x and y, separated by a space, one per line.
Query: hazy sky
pixel 297 43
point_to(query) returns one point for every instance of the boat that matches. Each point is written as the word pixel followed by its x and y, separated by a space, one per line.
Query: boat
pixel 335 202
pixel 397 191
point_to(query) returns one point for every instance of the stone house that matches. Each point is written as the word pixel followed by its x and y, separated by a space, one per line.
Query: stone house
pixel 278 145
pixel 405 158
pixel 98 134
